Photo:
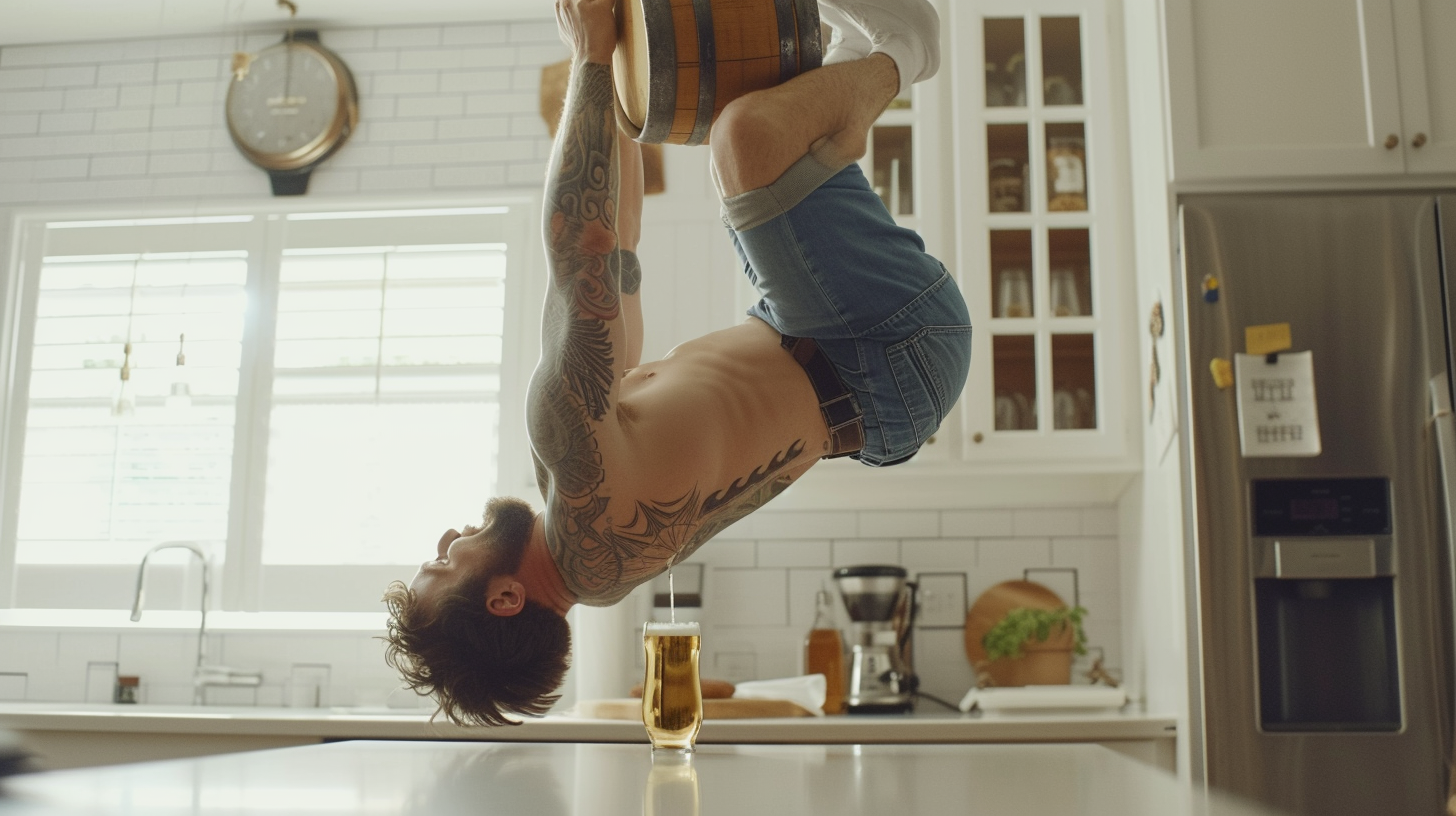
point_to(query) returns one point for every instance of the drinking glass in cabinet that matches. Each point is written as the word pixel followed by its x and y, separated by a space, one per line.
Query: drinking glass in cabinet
pixel 1005 39
pixel 1070 278
pixel 1074 402
pixel 1061 60
pixel 894 179
pixel 1014 293
pixel 1066 167
pixel 1007 167
pixel 1014 373
pixel 1010 282
pixel 1062 288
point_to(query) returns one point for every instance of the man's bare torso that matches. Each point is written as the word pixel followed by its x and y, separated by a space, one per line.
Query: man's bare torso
pixel 698 440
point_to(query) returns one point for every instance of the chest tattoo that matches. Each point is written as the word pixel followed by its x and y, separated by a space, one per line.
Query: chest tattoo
pixel 602 561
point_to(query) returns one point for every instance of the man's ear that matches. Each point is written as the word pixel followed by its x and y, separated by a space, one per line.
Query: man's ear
pixel 504 596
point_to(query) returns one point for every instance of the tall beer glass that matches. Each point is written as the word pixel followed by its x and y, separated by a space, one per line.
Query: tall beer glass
pixel 672 694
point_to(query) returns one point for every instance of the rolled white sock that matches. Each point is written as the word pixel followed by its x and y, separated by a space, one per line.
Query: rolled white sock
pixel 848 42
pixel 906 31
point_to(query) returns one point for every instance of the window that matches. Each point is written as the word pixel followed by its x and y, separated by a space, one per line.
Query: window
pixel 313 395
pixel 100 480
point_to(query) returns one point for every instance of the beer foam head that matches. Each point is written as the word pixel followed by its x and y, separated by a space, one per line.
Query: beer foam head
pixel 656 628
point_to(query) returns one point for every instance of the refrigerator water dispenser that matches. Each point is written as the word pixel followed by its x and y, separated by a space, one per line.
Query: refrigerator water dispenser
pixel 1324 606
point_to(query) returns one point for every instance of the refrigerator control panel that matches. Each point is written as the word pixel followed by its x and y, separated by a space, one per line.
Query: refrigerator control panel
pixel 1321 507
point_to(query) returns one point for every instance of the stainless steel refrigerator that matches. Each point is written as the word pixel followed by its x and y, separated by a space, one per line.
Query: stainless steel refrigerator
pixel 1320 572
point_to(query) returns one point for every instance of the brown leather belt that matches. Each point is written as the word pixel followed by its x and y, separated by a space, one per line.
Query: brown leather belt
pixel 836 402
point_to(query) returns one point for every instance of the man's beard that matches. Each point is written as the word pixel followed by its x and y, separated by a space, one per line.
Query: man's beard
pixel 509 521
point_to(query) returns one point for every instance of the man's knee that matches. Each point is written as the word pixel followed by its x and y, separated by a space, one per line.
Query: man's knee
pixel 744 128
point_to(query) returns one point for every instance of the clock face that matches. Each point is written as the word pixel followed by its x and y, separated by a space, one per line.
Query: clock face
pixel 287 111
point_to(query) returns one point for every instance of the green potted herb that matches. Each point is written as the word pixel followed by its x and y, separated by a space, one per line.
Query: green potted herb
pixel 1034 647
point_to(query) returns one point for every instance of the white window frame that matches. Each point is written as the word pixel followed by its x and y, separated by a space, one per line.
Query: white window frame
pixel 240 580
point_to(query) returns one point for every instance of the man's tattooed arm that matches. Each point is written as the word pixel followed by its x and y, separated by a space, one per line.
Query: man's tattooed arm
pixel 573 390
pixel 583 301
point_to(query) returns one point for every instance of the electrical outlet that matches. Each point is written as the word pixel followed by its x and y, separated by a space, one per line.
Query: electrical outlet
pixel 942 599
pixel 735 667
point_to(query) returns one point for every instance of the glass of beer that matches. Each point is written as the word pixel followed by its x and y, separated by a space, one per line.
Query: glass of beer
pixel 672 694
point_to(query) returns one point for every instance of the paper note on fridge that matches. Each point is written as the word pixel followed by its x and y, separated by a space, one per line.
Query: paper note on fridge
pixel 1278 415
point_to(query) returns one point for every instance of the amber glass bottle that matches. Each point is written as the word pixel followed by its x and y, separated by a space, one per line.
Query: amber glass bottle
pixel 824 653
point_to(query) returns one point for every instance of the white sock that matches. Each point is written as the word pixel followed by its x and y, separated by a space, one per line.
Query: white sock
pixel 906 31
pixel 848 42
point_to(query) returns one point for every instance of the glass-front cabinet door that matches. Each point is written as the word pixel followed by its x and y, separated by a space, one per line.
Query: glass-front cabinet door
pixel 1037 232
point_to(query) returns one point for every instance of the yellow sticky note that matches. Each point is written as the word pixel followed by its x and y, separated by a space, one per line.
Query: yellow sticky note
pixel 1222 371
pixel 1267 339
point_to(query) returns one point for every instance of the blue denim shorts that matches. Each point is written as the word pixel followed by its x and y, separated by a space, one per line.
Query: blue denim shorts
pixel 836 267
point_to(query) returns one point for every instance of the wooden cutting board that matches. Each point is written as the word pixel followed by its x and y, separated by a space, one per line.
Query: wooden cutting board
pixel 994 603
pixel 729 709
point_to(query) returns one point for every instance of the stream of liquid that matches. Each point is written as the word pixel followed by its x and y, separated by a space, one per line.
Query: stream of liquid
pixel 671 597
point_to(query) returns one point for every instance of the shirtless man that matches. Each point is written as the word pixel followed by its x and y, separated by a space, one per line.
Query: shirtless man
pixel 859 347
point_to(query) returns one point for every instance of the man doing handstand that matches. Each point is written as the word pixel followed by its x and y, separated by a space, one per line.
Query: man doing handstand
pixel 859 347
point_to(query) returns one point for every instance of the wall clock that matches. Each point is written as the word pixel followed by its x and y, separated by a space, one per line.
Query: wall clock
pixel 290 108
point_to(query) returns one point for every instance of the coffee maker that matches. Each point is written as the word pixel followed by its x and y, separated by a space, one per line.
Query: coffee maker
pixel 881 606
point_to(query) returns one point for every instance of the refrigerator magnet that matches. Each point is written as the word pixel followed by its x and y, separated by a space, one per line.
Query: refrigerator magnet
pixel 1270 338
pixel 1222 371
pixel 1210 289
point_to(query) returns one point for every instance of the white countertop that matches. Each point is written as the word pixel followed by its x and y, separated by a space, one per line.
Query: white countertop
pixel 346 723
pixel 449 778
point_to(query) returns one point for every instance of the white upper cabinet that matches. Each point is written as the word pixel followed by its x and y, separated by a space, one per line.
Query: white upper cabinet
pixel 1427 83
pixel 1039 190
pixel 1304 88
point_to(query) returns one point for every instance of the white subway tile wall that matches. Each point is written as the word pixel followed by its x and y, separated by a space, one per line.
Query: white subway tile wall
pixel 898 524
pixel 443 108
pixel 794 554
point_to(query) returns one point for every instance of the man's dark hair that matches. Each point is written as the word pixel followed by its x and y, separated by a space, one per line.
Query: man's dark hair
pixel 480 666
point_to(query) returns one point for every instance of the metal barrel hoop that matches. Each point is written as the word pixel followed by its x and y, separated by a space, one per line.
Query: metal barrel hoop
pixel 809 44
pixel 662 70
pixel 707 72
pixel 787 14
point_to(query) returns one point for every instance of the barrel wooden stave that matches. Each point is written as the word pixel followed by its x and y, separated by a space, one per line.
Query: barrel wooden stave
pixel 755 44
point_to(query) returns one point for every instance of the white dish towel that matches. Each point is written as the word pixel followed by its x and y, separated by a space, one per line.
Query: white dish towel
pixel 807 691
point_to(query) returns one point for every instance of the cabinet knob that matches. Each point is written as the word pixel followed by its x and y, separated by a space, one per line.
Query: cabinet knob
pixel 1391 141
pixel 1419 140
pixel 978 437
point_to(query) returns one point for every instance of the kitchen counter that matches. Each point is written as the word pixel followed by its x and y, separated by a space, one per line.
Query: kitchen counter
pixel 447 778
pixel 381 723
pixel 77 735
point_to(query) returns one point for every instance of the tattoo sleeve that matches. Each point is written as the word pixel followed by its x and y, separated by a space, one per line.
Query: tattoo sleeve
pixel 572 389
pixel 583 299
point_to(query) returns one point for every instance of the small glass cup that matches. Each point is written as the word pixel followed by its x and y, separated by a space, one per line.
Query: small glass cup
pixel 1066 302
pixel 672 693
pixel 1015 293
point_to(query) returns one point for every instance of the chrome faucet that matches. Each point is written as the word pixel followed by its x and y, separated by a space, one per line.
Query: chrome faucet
pixel 203 675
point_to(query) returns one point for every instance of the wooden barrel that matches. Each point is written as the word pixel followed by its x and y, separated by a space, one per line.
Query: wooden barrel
pixel 679 62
